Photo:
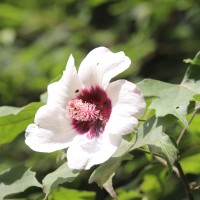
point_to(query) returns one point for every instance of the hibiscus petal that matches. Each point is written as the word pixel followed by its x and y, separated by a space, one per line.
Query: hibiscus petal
pixel 127 106
pixel 59 93
pixel 83 153
pixel 101 65
pixel 51 131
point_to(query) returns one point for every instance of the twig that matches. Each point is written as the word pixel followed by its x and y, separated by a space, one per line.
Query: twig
pixel 185 181
pixel 164 162
pixel 161 160
pixel 177 164
pixel 148 152
pixel 185 128
pixel 177 169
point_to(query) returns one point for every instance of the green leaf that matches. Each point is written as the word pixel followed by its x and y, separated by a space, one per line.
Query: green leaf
pixel 195 61
pixel 43 97
pixel 194 125
pixel 188 60
pixel 151 186
pixel 151 134
pixel 174 98
pixel 61 175
pixel 16 180
pixel 71 194
pixel 8 110
pixel 109 187
pixel 102 174
pixel 131 194
pixel 14 120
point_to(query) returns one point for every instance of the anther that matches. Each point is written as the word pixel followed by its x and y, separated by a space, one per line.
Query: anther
pixel 82 111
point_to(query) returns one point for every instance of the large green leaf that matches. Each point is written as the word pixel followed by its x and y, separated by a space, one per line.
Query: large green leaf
pixel 14 120
pixel 17 180
pixel 71 194
pixel 150 134
pixel 104 173
pixel 174 98
pixel 61 175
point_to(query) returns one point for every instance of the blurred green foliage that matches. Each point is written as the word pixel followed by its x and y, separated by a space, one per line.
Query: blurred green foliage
pixel 36 38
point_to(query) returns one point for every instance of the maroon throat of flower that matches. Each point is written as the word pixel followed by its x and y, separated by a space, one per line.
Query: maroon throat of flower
pixel 90 111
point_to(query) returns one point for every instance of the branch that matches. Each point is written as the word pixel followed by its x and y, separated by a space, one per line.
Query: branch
pixel 185 181
pixel 189 121
pixel 177 164
pixel 160 159
pixel 177 169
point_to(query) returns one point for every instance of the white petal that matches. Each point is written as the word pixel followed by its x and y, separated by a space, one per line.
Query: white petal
pixel 121 125
pixel 83 153
pixel 110 144
pixel 52 130
pixel 65 89
pixel 101 65
pixel 128 105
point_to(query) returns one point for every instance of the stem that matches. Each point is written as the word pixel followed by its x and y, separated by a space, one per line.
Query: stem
pixel 184 129
pixel 161 160
pixel 177 164
pixel 177 169
pixel 185 181
pixel 164 162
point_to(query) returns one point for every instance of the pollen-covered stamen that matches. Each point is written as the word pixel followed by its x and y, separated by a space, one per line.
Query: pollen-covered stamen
pixel 82 111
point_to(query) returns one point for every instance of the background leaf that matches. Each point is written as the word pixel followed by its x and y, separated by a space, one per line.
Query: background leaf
pixel 191 164
pixel 70 194
pixel 16 180
pixel 16 121
pixel 8 110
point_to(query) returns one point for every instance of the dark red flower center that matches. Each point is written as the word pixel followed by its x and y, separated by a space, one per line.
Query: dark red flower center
pixel 90 111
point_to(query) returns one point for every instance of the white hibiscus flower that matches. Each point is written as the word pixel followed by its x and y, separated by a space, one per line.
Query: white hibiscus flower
pixel 86 112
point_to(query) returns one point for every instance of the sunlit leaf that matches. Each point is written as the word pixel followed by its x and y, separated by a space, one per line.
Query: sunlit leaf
pixel 194 125
pixel 43 97
pixel 70 194
pixel 151 186
pixel 172 98
pixel 191 164
pixel 8 110
pixel 16 180
pixel 61 175
pixel 16 121
pixel 131 194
